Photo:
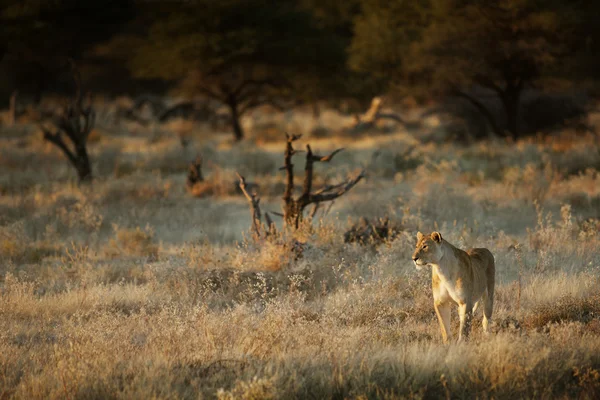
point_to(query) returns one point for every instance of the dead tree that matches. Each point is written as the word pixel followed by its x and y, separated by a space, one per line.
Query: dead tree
pixel 76 123
pixel 373 114
pixel 293 209
pixel 254 202
pixel 368 232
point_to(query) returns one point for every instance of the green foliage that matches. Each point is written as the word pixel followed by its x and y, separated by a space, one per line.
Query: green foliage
pixel 491 42
pixel 383 35
pixel 220 37
pixel 447 43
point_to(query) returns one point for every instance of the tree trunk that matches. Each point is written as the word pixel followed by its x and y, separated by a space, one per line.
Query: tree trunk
pixel 510 101
pixel 292 214
pixel 84 170
pixel 483 110
pixel 238 131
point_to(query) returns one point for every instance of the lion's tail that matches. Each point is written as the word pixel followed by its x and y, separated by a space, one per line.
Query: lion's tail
pixel 490 272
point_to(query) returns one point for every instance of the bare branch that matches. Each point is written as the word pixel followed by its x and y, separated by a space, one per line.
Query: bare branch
pixel 490 84
pixel 322 158
pixel 481 108
pixel 289 167
pixel 314 210
pixel 331 203
pixel 270 224
pixel 260 101
pixel 329 188
pixel 257 85
pixel 56 139
pixel 392 116
pixel 309 169
pixel 343 189
pixel 210 93
pixel 293 138
pixel 370 117
pixel 254 202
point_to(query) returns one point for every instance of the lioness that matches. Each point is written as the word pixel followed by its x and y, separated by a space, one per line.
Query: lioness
pixel 459 277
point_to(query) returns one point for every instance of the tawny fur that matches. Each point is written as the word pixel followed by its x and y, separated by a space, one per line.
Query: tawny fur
pixel 459 277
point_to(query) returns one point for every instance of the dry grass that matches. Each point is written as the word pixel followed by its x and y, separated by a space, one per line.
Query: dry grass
pixel 133 288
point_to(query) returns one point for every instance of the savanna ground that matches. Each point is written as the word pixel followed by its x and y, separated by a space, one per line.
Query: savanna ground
pixel 132 288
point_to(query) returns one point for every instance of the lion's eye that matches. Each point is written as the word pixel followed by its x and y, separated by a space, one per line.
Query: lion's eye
pixel 425 247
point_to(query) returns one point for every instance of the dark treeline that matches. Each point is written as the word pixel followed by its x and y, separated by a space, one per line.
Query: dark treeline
pixel 247 53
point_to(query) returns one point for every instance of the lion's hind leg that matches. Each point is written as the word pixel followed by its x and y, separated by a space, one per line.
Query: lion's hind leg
pixel 475 307
pixel 487 311
pixel 486 317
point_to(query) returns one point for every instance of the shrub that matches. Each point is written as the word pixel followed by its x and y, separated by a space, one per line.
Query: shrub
pixel 136 242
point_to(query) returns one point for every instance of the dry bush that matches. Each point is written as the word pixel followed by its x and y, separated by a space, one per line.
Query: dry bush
pixel 563 310
pixel 136 242
pixel 374 233
pixel 17 249
pixel 219 183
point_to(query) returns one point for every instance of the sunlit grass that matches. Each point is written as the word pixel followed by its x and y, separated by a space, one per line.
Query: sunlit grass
pixel 134 288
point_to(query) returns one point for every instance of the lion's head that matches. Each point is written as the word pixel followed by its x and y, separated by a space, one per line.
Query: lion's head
pixel 428 250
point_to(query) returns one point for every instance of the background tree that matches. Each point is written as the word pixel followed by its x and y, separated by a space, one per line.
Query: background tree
pixel 329 80
pixel 75 124
pixel 451 46
pixel 383 34
pixel 243 54
pixel 40 36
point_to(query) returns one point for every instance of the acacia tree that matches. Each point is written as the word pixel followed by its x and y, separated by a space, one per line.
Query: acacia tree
pixel 75 124
pixel 502 45
pixel 243 54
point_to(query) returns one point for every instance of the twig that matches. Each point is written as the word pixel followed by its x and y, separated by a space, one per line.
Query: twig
pixel 254 202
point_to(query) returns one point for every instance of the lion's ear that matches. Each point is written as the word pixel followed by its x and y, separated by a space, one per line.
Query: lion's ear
pixel 436 236
pixel 419 236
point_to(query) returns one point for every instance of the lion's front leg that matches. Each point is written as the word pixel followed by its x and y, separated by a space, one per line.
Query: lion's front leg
pixel 465 312
pixel 442 310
